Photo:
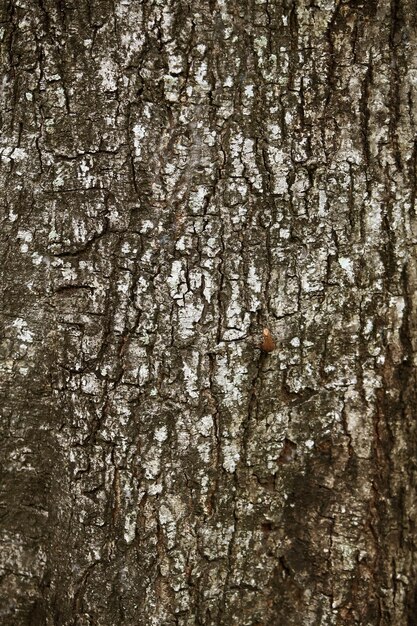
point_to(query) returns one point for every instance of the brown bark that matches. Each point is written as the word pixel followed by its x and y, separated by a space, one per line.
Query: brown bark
pixel 182 184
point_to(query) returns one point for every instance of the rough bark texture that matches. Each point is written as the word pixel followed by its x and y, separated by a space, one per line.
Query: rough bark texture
pixel 175 178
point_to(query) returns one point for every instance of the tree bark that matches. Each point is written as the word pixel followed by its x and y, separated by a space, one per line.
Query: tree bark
pixel 209 309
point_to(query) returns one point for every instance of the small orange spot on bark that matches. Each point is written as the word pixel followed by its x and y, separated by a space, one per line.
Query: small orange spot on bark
pixel 268 343
pixel 288 452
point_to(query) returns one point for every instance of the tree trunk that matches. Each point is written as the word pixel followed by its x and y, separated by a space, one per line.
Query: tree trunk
pixel 210 316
